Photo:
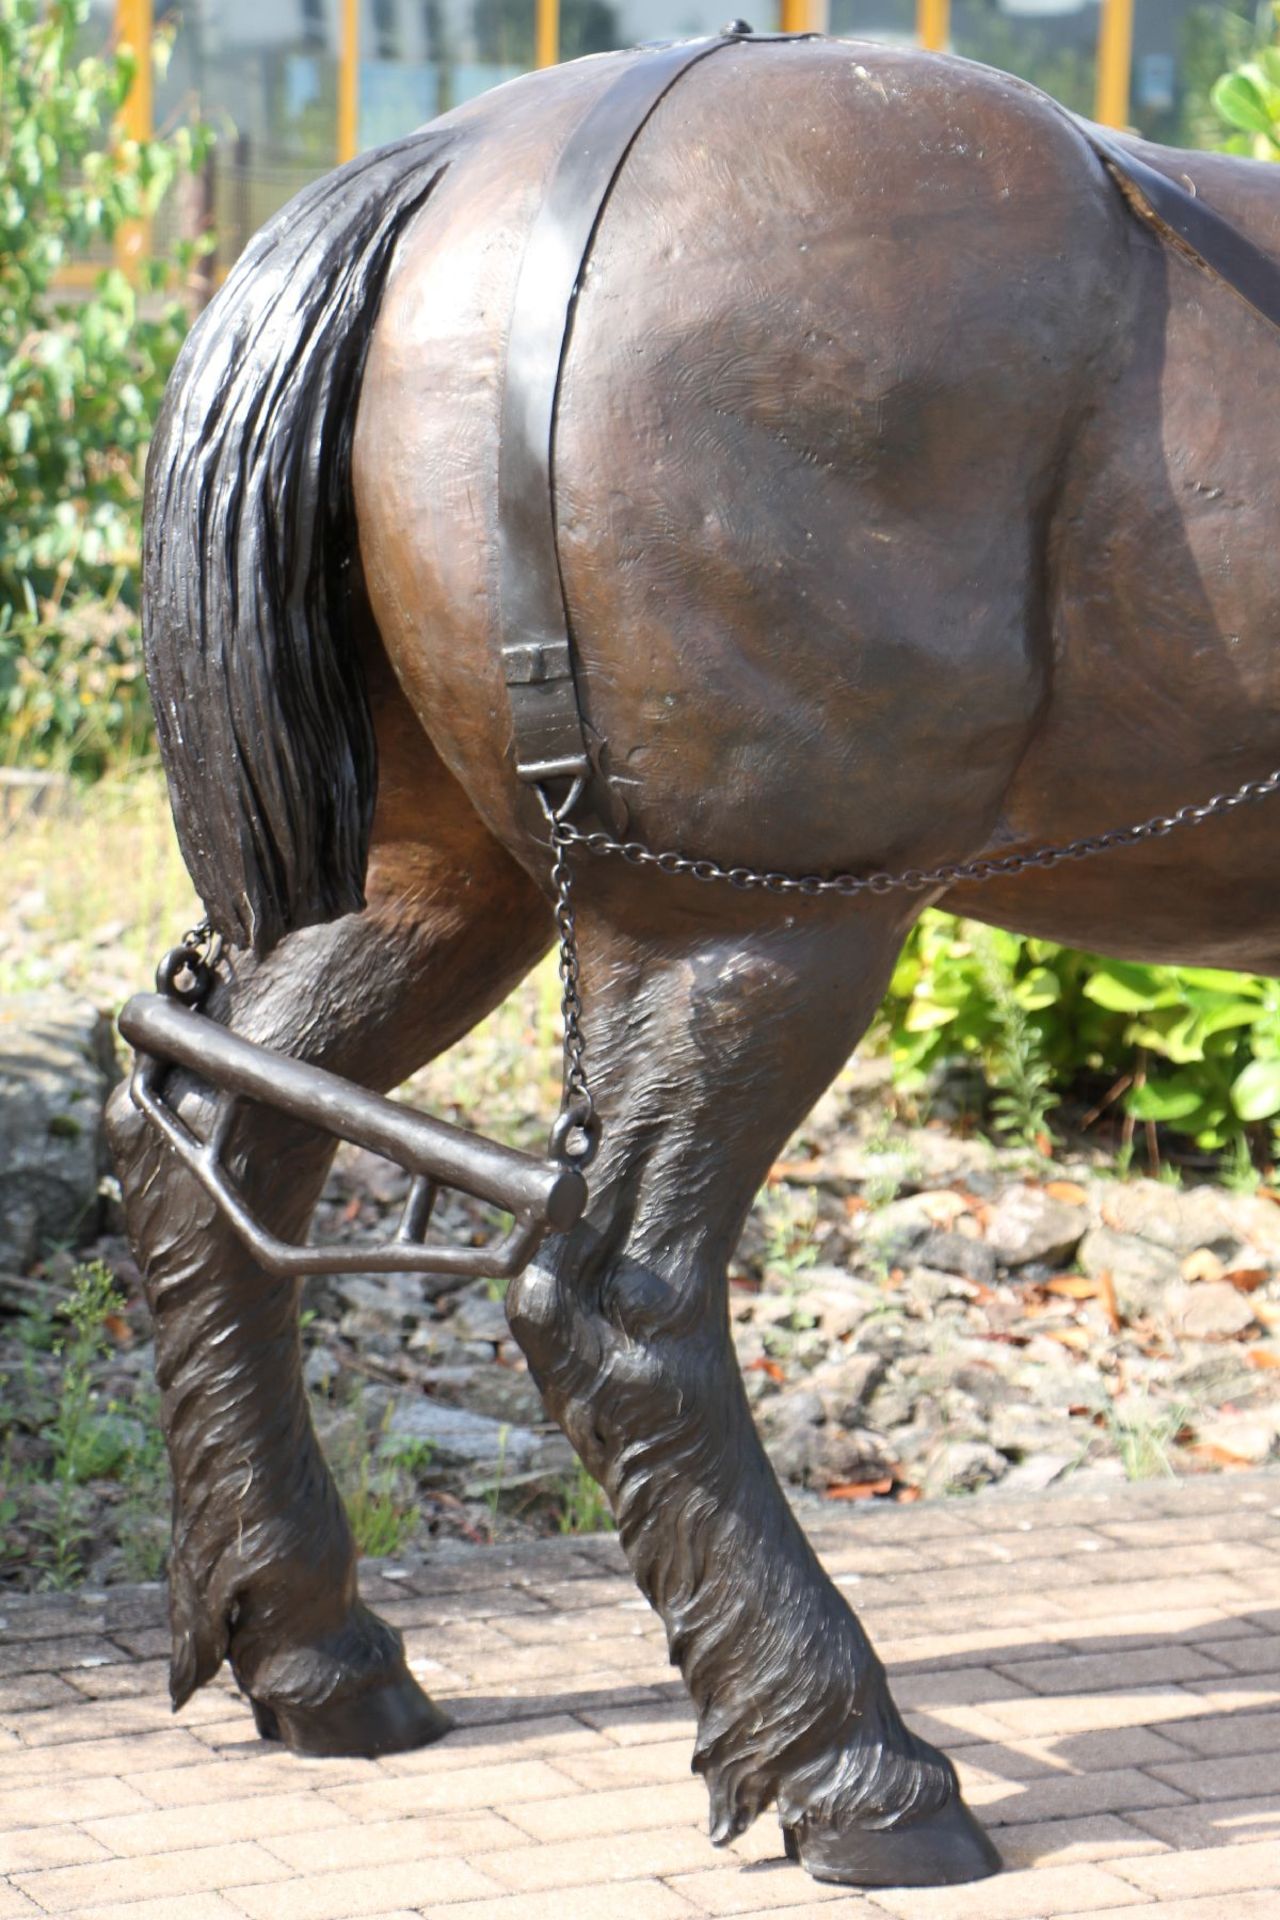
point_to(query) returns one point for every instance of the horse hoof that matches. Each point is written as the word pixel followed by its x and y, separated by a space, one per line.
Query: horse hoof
pixel 391 1718
pixel 940 1849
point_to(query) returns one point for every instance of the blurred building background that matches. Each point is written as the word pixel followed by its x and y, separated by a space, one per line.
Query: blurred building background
pixel 295 86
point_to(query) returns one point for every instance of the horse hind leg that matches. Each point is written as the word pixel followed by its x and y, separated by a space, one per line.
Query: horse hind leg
pixel 706 1051
pixel 263 1566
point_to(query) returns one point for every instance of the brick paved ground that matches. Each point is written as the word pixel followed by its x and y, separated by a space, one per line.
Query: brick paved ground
pixel 1105 1669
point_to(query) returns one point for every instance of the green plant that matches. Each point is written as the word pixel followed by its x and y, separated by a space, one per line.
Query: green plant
pixel 1248 99
pixel 1195 1049
pixel 79 383
pixel 583 1505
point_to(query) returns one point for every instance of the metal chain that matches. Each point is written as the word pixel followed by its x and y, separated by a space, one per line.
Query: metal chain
pixel 913 879
pixel 575 1138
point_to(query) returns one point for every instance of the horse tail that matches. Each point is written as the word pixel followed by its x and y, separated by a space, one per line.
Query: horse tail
pixel 252 590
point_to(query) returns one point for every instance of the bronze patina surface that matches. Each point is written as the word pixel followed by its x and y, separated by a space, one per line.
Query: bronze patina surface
pixel 914 503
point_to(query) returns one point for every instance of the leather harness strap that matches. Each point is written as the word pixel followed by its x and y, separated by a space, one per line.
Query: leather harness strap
pixel 1179 216
pixel 537 652
pixel 537 648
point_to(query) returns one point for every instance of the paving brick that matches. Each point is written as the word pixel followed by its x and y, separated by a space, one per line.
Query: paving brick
pixel 26 1692
pixel 1106 1752
pixel 774 1887
pixel 634 1900
pixel 1230 1778
pixel 1015 1896
pixel 1230 1733
pixel 266 1771
pixel 517 1784
pixel 56 1846
pixel 348 1843
pixel 622 1810
pixel 26 1807
pixel 1258 1654
pixel 1238 1693
pixel 1226 1823
pixel 80 1719
pixel 1215 1906
pixel 64 1655
pixel 1007 1546
pixel 1061 1843
pixel 157 1876
pixel 485 1745
pixel 654 1854
pixel 516 1700
pixel 1148 1596
pixel 363 1890
pixel 1096 1673
pixel 1156 1626
pixel 637 1766
pixel 217 1822
pixel 814 1907
pixel 1208 1870
pixel 129 1679
pixel 956 1686
pixel 1181 1528
pixel 171 1749
pixel 1069 1795
pixel 186 1906
pixel 15 1905
pixel 640 1724
pixel 1087 1713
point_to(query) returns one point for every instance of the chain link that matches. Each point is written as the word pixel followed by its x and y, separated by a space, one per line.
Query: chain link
pixel 575 1138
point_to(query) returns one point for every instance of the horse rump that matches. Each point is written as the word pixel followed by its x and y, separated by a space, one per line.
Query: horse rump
pixel 252 588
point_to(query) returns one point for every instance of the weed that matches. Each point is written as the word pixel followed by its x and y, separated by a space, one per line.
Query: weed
pixel 1024 1097
pixel 790 1226
pixel 1238 1172
pixel 584 1507
pixel 1143 1435
pixel 494 1495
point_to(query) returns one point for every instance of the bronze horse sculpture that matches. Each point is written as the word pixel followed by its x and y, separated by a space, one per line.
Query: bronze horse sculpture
pixel 914 506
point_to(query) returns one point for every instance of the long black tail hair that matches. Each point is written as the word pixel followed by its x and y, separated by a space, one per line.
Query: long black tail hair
pixel 251 577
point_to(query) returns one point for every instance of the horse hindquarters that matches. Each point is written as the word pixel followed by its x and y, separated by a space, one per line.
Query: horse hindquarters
pixel 707 1047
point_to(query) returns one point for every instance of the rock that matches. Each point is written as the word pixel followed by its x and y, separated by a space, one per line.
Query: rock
pixel 895 1231
pixel 958 1253
pixel 459 1438
pixel 320 1369
pixel 1211 1311
pixel 1252 1434
pixel 389 1299
pixel 928 1290
pixel 1026 1224
pixel 893 1404
pixel 926 1158
pixel 809 1450
pixel 1170 1217
pixel 1020 1429
pixel 478 1316
pixel 962 1466
pixel 1035 1474
pixel 1141 1272
pixel 846 1386
pixel 57 1066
